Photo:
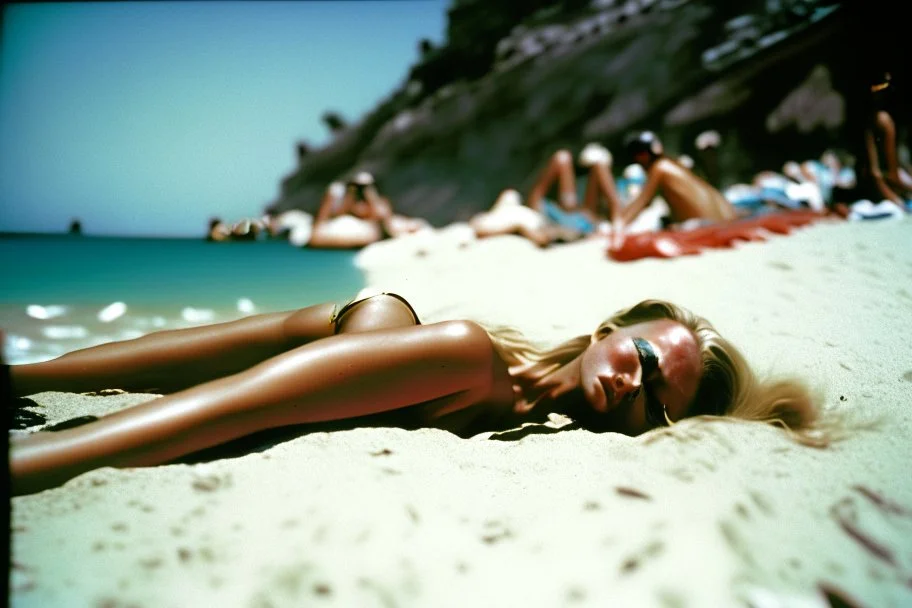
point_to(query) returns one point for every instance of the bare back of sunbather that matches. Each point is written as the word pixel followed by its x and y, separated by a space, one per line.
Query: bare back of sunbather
pixel 687 195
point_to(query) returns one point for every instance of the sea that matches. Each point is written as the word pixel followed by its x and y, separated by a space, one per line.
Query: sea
pixel 60 293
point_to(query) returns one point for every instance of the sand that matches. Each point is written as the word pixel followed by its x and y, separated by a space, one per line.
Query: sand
pixel 717 514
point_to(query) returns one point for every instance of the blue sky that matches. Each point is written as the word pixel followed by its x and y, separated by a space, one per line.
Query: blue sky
pixel 147 118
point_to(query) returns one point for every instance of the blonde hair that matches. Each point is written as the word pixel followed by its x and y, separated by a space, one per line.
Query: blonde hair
pixel 728 386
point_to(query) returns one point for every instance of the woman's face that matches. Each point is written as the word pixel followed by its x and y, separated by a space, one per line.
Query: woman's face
pixel 630 374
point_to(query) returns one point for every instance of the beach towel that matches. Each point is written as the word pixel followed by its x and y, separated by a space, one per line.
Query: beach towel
pixel 574 220
pixel 674 243
pixel 867 210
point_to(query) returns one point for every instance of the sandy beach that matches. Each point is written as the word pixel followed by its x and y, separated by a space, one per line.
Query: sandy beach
pixel 714 514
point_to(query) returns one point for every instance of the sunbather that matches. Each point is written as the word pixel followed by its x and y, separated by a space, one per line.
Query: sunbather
pixel 373 362
pixel 544 220
pixel 355 215
pixel 688 197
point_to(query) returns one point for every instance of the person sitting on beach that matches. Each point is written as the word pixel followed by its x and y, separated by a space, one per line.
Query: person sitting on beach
pixel 346 219
pixel 544 221
pixel 373 362
pixel 394 225
pixel 654 216
pixel 883 132
pixel 355 215
pixel 688 197
pixel 872 183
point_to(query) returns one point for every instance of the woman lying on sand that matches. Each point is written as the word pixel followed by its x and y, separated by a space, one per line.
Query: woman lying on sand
pixel 544 221
pixel 645 367
pixel 355 215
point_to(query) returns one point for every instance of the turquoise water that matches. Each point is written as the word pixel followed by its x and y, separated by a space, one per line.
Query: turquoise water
pixel 54 287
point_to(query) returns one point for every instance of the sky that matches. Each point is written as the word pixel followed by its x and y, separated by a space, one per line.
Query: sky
pixel 148 118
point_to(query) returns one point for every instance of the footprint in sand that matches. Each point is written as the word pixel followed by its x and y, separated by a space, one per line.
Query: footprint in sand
pixel 638 558
pixel 495 532
pixel 878 525
pixel 632 493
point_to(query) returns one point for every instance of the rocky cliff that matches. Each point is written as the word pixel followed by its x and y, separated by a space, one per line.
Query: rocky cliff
pixel 511 85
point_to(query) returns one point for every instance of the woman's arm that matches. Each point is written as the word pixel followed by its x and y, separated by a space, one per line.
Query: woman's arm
pixel 649 191
pixel 381 209
pixel 339 377
pixel 335 192
pixel 602 182
pixel 559 169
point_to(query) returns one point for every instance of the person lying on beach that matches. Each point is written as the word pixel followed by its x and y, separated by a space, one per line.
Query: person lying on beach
pixel 374 363
pixel 827 173
pixel 839 166
pixel 355 215
pixel 247 230
pixel 688 197
pixel 545 221
pixel 796 187
pixel 218 231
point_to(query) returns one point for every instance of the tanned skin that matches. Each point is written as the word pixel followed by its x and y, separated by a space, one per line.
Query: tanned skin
pixel 895 182
pixel 559 170
pixel 234 379
pixel 687 195
pixel 371 364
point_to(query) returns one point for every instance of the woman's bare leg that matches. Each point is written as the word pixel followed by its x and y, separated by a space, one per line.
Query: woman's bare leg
pixel 169 361
pixel 707 144
pixel 559 169
pixel 541 236
pixel 601 184
pixel 509 216
pixel 897 180
pixel 339 377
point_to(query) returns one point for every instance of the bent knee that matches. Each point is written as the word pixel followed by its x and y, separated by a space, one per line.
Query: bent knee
pixel 563 157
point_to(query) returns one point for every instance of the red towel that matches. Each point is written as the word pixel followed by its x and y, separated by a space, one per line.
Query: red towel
pixel 674 243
